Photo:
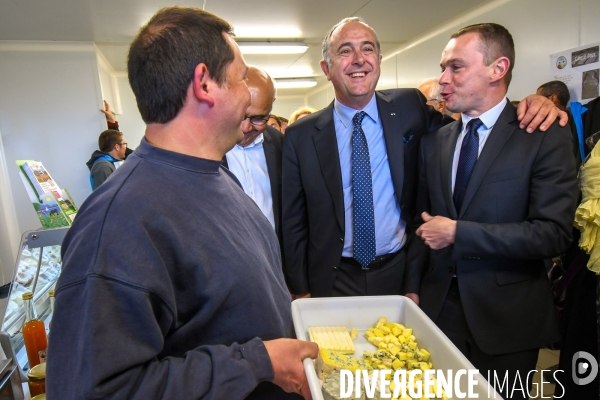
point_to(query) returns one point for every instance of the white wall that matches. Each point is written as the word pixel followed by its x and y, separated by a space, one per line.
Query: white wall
pixel 284 106
pixel 130 120
pixel 49 111
pixel 321 97
pixel 539 28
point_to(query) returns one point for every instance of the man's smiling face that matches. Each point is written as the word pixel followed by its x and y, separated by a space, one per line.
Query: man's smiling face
pixel 355 64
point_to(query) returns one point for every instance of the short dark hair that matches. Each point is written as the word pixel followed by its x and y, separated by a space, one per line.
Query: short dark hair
pixel 164 54
pixel 277 119
pixel 283 119
pixel 108 139
pixel 496 41
pixel 559 88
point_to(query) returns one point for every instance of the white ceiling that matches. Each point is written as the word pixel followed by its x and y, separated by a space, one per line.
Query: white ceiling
pixel 112 24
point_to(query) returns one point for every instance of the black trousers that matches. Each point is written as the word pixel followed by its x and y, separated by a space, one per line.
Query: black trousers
pixel 352 280
pixel 453 323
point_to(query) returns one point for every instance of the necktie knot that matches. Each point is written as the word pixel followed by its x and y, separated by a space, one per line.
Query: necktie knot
pixel 358 118
pixel 473 125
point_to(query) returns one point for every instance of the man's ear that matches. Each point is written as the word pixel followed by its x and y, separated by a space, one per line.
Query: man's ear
pixel 500 69
pixel 325 69
pixel 203 84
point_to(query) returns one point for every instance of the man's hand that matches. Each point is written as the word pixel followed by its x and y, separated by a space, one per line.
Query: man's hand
pixel 300 296
pixel 414 297
pixel 437 232
pixel 108 113
pixel 286 357
pixel 535 110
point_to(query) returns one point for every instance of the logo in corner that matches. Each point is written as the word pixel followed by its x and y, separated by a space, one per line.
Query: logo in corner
pixel 584 363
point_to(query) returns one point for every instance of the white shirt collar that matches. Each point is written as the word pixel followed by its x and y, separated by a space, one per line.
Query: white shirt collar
pixel 258 140
pixel 489 117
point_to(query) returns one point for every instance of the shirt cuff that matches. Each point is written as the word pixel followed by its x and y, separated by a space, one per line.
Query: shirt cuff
pixel 257 356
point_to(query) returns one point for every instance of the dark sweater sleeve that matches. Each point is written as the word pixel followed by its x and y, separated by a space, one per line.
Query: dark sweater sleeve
pixel 93 313
pixel 101 170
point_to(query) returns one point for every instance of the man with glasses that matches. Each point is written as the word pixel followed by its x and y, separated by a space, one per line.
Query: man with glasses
pixel 256 160
pixel 431 90
pixel 106 160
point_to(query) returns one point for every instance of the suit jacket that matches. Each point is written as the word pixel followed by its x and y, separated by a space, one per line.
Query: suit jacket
pixel 272 146
pixel 312 198
pixel 518 209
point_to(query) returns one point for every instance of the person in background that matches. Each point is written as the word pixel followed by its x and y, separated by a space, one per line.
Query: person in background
pixel 361 149
pixel 112 123
pixel 301 113
pixel 495 202
pixel 105 161
pixel 274 122
pixel 284 124
pixel 256 160
pixel 171 285
pixel 431 90
pixel 557 92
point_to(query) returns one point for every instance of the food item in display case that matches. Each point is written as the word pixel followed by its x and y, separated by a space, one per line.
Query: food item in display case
pixel 49 267
pixel 334 338
pixel 34 333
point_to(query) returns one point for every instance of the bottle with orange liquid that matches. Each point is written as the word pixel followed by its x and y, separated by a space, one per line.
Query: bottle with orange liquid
pixel 34 333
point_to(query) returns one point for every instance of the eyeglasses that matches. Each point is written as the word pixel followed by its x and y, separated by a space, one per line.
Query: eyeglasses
pixel 257 120
pixel 436 100
pixel 123 144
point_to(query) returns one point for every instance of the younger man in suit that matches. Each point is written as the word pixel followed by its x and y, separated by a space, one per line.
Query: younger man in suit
pixel 495 201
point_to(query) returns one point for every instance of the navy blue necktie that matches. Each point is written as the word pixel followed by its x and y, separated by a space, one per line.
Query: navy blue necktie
pixel 466 162
pixel 363 214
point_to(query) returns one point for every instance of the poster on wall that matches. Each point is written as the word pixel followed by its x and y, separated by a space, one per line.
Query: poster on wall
pixel 579 68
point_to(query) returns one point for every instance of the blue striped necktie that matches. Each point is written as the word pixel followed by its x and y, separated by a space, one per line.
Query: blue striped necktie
pixel 363 214
pixel 466 162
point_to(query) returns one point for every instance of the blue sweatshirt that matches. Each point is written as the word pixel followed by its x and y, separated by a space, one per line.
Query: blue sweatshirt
pixel 171 280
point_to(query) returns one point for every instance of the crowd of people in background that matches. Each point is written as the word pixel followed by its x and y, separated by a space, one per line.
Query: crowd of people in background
pixel 449 195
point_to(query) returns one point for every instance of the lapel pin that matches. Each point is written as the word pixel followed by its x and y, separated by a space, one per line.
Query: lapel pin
pixel 393 113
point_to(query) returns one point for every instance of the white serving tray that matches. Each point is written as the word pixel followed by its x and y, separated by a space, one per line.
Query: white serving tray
pixel 364 312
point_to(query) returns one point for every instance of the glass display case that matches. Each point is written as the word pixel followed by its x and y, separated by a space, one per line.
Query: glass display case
pixel 37 269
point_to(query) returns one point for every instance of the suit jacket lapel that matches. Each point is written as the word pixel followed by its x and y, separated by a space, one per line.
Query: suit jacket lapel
pixel 448 145
pixel 224 162
pixel 503 130
pixel 272 169
pixel 325 142
pixel 393 132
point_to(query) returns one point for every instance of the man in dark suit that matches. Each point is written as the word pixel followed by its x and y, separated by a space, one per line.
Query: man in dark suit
pixel 496 201
pixel 360 150
pixel 256 160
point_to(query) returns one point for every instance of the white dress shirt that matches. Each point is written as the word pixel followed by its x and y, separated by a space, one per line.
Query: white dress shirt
pixel 249 165
pixel 489 119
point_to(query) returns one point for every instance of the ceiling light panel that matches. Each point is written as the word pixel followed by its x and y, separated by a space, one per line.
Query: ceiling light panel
pixel 272 47
pixel 295 83
pixel 270 32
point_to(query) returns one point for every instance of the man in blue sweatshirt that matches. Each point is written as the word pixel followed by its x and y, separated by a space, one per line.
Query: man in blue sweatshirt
pixel 171 285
